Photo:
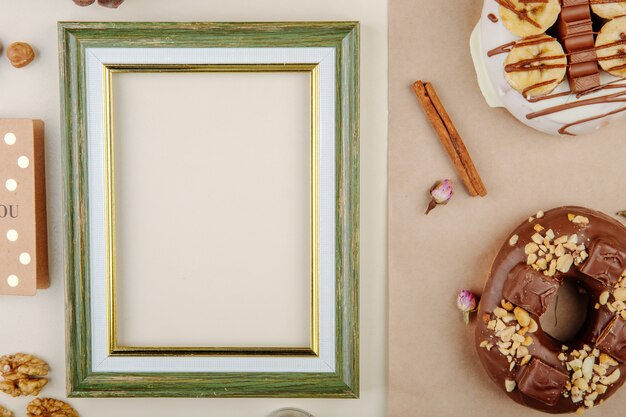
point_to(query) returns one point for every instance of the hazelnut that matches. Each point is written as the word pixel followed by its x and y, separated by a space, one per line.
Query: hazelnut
pixel 113 4
pixel 83 3
pixel 20 54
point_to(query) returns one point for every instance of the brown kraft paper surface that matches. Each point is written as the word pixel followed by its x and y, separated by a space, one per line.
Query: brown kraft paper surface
pixel 433 367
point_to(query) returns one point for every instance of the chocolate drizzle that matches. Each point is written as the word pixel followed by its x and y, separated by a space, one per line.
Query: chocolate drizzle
pixel 608 85
pixel 518 44
pixel 521 14
pixel 502 49
pixel 548 97
pixel 563 130
pixel 533 40
pixel 492 17
pixel 610 57
pixel 610 44
pixel 615 56
pixel 534 86
pixel 530 40
pixel 526 64
pixel 610 98
pixel 577 37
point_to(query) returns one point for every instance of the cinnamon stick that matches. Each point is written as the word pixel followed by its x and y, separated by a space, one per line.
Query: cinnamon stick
pixel 450 138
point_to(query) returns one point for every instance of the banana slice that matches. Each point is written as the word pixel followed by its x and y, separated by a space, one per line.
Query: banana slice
pixel 608 9
pixel 611 44
pixel 535 65
pixel 527 18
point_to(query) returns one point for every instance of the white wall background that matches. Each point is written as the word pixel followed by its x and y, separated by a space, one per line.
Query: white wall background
pixel 37 324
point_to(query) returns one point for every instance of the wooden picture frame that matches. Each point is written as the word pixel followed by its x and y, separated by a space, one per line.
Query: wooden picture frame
pixel 98 366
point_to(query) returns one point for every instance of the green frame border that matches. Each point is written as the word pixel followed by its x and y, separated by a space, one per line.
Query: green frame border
pixel 74 37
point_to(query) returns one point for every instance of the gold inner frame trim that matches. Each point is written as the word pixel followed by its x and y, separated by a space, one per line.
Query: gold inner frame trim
pixel 110 258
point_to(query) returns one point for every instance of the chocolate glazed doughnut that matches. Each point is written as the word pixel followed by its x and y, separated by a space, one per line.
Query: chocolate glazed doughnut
pixel 567 243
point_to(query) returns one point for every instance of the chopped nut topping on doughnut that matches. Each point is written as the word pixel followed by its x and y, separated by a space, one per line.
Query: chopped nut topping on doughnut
pixel 549 253
pixel 534 261
pixel 510 336
pixel 590 371
pixel 590 375
pixel 509 385
pixel 615 299
pixel 578 219
pixel 522 316
pixel 604 298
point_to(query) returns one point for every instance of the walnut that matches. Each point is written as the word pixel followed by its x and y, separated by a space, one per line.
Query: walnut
pixel 49 407
pixel 23 374
pixel 5 413
pixel 23 386
pixel 21 364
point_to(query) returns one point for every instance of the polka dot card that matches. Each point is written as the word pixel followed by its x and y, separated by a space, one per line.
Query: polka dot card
pixel 23 230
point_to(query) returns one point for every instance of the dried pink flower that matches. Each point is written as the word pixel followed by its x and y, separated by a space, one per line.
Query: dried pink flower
pixel 466 303
pixel 440 193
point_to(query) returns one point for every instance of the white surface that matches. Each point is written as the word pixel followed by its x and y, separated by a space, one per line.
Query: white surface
pixel 478 58
pixel 495 34
pixel 36 324
pixel 230 244
pixel 158 261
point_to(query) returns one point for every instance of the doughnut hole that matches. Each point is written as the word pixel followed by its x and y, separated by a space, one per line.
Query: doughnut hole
pixel 566 316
